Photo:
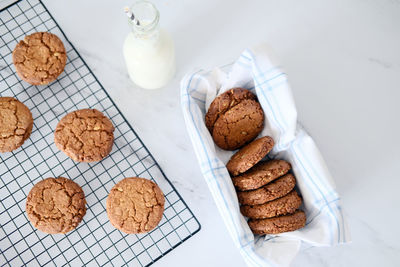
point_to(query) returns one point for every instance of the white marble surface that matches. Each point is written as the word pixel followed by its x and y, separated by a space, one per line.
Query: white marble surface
pixel 343 61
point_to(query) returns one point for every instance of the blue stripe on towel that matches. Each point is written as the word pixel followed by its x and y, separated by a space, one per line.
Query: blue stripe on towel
pixel 318 189
pixel 270 89
pixel 326 186
pixel 281 127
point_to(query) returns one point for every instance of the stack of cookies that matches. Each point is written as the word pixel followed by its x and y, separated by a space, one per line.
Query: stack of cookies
pixel 266 189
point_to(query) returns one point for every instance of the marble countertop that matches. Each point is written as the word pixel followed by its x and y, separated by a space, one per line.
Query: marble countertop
pixel 343 61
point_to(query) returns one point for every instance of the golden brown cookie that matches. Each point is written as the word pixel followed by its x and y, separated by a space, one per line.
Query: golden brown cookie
pixel 224 102
pixel 85 135
pixel 269 192
pixel 40 58
pixel 261 174
pixel 16 124
pixel 56 205
pixel 281 206
pixel 277 225
pixel 249 155
pixel 234 118
pixel 135 205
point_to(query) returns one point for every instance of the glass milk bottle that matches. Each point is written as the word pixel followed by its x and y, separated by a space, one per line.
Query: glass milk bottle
pixel 149 51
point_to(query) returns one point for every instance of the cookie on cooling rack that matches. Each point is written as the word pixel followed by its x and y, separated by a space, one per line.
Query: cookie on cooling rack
pixel 16 124
pixel 135 205
pixel 56 205
pixel 85 135
pixel 40 58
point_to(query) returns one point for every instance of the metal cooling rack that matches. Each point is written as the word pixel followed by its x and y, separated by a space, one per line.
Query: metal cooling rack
pixel 95 241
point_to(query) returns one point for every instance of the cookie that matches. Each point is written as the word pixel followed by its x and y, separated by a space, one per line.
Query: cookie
pixel 40 58
pixel 277 225
pixel 249 155
pixel 234 118
pixel 224 102
pixel 56 205
pixel 261 174
pixel 281 206
pixel 135 205
pixel 16 124
pixel 269 192
pixel 239 125
pixel 85 135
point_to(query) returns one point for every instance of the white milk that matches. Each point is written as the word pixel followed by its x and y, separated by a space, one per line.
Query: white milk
pixel 149 52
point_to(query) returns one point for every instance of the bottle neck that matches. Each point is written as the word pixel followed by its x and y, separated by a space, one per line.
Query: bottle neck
pixel 145 33
pixel 147 16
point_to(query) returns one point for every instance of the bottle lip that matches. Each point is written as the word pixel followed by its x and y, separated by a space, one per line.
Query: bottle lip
pixel 147 14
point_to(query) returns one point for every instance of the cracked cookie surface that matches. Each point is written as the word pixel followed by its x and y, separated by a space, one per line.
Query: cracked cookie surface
pixel 224 102
pixel 135 205
pixel 269 192
pixel 284 205
pixel 16 124
pixel 234 118
pixel 249 155
pixel 40 58
pixel 85 135
pixel 261 174
pixel 56 205
pixel 277 225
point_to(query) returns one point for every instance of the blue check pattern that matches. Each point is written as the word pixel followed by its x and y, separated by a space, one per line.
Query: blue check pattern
pixel 256 71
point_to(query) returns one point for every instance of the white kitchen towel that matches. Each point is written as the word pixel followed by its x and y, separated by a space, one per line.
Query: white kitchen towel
pixel 257 71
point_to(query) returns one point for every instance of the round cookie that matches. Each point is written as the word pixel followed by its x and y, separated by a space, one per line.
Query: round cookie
pixel 40 58
pixel 234 118
pixel 281 206
pixel 249 155
pixel 56 205
pixel 224 102
pixel 277 225
pixel 85 135
pixel 261 174
pixel 135 205
pixel 16 124
pixel 269 192
pixel 239 125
